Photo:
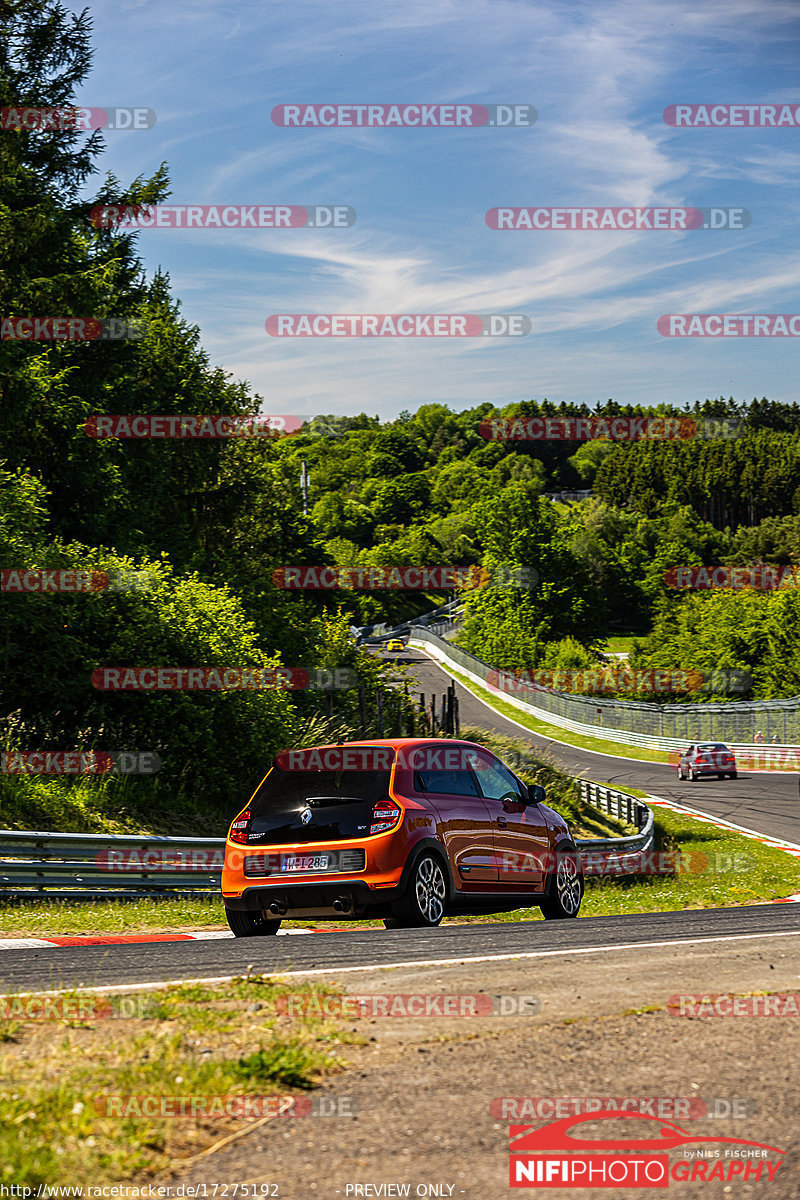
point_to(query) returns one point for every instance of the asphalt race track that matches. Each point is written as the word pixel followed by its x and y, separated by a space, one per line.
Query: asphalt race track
pixel 55 968
pixel 766 802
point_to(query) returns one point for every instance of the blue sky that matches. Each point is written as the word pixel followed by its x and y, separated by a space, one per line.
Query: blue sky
pixel 599 75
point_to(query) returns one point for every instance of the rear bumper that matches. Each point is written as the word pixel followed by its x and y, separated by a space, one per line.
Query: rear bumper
pixel 301 900
pixel 370 894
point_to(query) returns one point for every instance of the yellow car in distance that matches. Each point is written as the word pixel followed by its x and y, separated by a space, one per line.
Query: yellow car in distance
pixel 395 644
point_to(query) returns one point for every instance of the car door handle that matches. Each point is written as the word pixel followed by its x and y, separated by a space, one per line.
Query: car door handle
pixel 502 822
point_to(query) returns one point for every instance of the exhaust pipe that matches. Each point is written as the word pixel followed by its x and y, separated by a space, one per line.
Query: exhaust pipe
pixel 342 904
pixel 277 908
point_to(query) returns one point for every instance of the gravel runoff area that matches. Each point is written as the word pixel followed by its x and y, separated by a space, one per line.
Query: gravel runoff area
pixel 422 1088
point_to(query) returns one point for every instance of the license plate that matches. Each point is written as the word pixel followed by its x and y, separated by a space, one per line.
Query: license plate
pixel 306 862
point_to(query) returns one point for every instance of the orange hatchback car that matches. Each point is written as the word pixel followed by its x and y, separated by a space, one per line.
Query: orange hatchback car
pixel 403 829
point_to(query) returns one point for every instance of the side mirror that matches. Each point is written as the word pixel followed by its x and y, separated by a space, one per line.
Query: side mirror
pixel 536 794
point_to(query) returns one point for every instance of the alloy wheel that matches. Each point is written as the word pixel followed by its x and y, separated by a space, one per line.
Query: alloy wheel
pixel 430 890
pixel 568 886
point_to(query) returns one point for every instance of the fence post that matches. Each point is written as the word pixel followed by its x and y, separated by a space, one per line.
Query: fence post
pixel 379 705
pixel 362 709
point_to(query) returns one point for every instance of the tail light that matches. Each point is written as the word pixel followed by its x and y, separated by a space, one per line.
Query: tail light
pixel 385 815
pixel 701 762
pixel 238 830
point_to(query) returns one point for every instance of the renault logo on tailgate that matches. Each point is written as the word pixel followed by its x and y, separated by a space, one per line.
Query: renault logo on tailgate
pixel 305 816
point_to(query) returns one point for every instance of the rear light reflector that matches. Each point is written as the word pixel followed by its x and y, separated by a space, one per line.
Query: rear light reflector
pixel 385 815
pixel 238 830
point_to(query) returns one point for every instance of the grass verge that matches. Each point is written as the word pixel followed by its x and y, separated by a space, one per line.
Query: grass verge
pixel 103 804
pixel 622 643
pixel 66 1082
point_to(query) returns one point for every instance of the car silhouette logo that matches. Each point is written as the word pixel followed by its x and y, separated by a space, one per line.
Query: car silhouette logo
pixel 557 1136
pixel 305 816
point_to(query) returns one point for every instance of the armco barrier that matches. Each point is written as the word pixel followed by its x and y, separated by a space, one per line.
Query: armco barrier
pixel 648 726
pixel 107 866
pixel 100 866
pixel 625 808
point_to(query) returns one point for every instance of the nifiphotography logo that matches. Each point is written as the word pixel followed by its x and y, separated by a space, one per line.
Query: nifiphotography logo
pixel 554 1156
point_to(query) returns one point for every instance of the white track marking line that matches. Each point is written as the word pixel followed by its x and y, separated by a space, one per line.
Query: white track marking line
pixel 775 843
pixel 24 943
pixel 212 936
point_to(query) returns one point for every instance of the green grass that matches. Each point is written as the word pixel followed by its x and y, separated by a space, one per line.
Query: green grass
pixel 51 918
pixel 622 644
pixel 59 1076
pixel 103 804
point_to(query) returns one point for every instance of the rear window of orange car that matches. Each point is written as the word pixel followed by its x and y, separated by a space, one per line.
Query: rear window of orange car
pixel 287 790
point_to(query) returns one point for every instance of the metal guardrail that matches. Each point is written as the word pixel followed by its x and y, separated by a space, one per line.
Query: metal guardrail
pixel 626 808
pixel 439 620
pixel 581 494
pixel 107 866
pixel 101 866
pixel 633 723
